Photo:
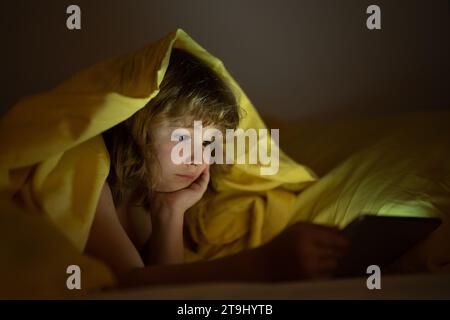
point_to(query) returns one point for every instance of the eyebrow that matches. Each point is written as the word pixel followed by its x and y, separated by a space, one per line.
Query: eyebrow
pixel 180 126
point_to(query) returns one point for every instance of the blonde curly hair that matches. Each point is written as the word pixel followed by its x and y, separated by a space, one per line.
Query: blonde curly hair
pixel 190 90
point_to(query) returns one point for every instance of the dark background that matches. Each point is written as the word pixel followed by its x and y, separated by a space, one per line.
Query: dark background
pixel 293 58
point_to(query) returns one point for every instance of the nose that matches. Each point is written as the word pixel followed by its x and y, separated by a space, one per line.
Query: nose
pixel 189 158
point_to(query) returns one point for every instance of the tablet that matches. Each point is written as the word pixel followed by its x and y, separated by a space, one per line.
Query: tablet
pixel 380 240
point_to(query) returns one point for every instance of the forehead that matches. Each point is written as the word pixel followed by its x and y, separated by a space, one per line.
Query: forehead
pixel 184 124
pixel 167 128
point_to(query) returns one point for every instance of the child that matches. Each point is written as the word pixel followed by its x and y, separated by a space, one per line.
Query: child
pixel 144 184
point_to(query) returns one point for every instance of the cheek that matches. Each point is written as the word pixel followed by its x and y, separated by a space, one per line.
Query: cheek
pixel 165 152
pixel 164 156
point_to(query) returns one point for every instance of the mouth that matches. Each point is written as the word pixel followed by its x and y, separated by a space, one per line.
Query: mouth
pixel 187 176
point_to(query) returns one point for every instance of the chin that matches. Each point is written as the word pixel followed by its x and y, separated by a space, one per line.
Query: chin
pixel 172 188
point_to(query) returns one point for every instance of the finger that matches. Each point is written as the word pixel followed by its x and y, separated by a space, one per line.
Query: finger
pixel 337 247
pixel 202 181
pixel 336 243
pixel 329 237
pixel 321 251
pixel 204 177
pixel 325 253
pixel 327 229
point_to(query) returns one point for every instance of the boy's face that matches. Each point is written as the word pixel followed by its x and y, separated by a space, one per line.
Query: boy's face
pixel 169 175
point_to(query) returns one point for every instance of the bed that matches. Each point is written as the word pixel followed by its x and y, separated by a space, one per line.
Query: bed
pixel 414 286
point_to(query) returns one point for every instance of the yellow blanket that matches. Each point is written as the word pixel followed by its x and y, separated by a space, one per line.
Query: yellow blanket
pixel 390 165
pixel 53 163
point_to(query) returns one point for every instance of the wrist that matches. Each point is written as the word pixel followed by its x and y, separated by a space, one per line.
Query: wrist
pixel 167 215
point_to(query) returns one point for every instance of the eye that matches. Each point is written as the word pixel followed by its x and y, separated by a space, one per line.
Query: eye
pixel 205 143
pixel 183 137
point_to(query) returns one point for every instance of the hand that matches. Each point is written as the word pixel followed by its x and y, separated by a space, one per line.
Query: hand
pixel 165 245
pixel 304 250
pixel 177 202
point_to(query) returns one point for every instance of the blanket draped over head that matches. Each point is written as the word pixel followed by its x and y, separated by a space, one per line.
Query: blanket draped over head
pixel 53 164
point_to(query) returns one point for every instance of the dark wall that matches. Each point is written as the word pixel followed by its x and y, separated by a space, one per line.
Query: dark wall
pixel 293 58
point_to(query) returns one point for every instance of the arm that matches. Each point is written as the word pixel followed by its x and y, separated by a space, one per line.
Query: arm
pixel 166 245
pixel 109 242
pixel 302 251
pixel 248 266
